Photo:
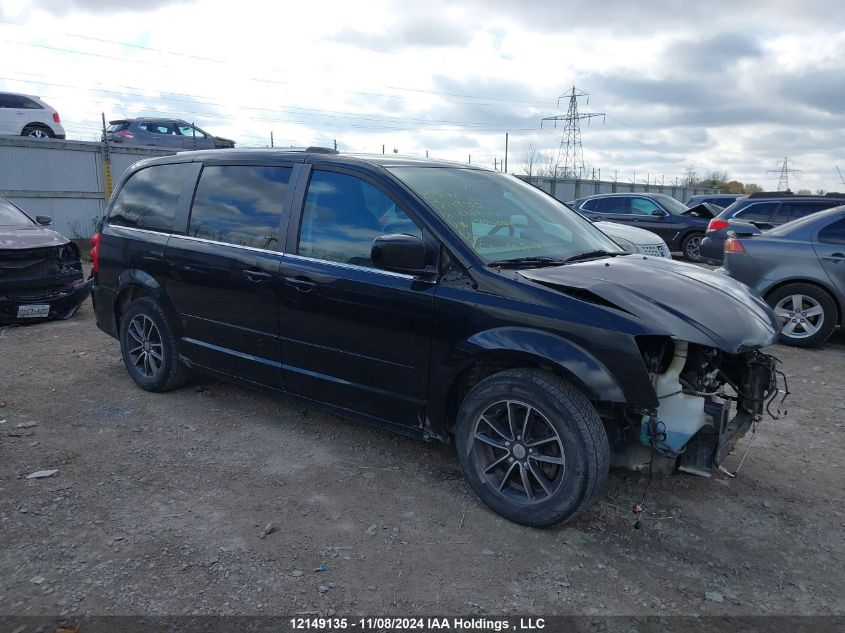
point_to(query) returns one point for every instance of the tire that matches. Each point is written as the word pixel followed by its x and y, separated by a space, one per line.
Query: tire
pixel 808 314
pixel 570 448
pixel 691 247
pixel 144 329
pixel 37 131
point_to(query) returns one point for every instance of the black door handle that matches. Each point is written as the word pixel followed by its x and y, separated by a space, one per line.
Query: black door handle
pixel 256 275
pixel 835 257
pixel 303 285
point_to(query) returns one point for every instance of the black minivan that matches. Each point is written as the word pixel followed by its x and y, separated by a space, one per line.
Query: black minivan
pixel 438 299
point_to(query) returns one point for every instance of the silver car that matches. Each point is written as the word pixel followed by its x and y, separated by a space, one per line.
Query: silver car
pixel 635 240
pixel 798 267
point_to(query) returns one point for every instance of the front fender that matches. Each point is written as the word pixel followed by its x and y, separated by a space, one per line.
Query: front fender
pixel 586 371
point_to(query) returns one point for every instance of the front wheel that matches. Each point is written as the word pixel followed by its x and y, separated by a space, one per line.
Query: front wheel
pixel 149 349
pixel 532 447
pixel 691 247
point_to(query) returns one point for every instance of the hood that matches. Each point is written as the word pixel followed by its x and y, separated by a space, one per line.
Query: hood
pixel 630 233
pixel 17 237
pixel 681 300
pixel 704 210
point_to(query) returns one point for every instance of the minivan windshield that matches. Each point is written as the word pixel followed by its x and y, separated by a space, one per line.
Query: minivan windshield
pixel 503 218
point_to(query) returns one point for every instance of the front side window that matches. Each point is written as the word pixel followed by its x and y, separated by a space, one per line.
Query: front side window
pixel 148 199
pixel 343 215
pixel 643 206
pixel 240 204
pixel 803 209
pixel 502 217
pixel 159 128
pixel 190 130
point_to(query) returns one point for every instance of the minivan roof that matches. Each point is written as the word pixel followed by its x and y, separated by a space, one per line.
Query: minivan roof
pixel 300 154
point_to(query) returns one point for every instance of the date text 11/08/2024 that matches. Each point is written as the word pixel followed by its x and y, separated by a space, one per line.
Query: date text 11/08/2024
pixel 416 624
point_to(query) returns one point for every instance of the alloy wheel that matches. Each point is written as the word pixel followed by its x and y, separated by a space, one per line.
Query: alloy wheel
pixel 801 316
pixel 38 133
pixel 518 452
pixel 146 354
pixel 693 247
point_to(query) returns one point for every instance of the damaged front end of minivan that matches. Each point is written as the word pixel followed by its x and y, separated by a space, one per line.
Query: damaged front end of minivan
pixel 708 400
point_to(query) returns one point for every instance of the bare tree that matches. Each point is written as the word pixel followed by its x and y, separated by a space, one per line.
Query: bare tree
pixel 529 160
pixel 690 176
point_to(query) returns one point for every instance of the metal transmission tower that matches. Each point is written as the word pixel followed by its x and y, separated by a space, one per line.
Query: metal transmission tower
pixel 570 141
pixel 783 174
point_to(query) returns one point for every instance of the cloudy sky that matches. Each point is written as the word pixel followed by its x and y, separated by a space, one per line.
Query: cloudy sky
pixel 732 86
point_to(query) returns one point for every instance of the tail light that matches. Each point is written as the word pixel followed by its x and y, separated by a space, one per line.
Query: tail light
pixel 95 252
pixel 716 224
pixel 733 245
pixel 56 118
pixel 124 134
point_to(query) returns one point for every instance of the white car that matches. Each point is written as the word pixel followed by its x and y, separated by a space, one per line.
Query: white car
pixel 635 240
pixel 25 115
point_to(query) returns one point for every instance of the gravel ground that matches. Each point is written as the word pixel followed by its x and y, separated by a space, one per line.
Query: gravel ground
pixel 161 505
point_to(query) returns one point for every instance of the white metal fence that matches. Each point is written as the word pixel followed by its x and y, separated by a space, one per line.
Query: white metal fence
pixel 62 179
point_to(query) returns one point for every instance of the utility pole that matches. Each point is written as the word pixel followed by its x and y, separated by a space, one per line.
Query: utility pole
pixel 783 174
pixel 107 175
pixel 382 149
pixel 271 138
pixel 571 149
pixel 495 164
pixel 506 152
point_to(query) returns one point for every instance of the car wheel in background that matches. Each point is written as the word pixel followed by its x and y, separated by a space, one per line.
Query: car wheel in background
pixel 807 313
pixel 691 247
pixel 37 131
pixel 532 446
pixel 149 347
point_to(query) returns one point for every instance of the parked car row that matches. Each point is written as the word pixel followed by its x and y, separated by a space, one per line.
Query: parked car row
pixel 679 226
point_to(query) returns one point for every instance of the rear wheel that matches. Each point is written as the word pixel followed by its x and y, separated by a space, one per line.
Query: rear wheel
pixel 532 447
pixel 149 348
pixel 807 314
pixel 37 131
pixel 691 247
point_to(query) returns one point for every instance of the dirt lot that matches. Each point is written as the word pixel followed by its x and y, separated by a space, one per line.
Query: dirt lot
pixel 159 502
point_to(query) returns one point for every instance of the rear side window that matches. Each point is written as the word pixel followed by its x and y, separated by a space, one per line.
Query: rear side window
pixel 343 215
pixel 148 199
pixel 589 205
pixel 616 204
pixel 760 212
pixel 19 102
pixel 833 233
pixel 240 204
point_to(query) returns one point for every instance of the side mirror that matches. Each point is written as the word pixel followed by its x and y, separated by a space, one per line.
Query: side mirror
pixel 44 220
pixel 659 213
pixel 400 253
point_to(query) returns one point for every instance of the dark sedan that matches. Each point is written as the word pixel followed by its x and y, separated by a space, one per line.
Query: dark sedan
pixel 765 210
pixel 680 227
pixel 40 270
pixel 799 268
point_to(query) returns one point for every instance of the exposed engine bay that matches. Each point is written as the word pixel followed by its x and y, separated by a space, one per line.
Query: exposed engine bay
pixel 709 399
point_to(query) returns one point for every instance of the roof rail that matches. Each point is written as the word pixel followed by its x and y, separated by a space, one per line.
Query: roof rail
pixel 321 150
pixel 770 194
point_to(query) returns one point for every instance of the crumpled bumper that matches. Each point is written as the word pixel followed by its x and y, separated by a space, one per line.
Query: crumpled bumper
pixel 63 302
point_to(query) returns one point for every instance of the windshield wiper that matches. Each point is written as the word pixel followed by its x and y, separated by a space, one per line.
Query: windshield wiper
pixel 589 255
pixel 519 262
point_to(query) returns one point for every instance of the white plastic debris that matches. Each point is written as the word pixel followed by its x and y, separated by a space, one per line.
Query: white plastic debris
pixel 40 474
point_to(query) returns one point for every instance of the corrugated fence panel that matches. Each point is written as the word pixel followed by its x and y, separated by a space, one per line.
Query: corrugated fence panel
pixel 72 217
pixel 62 179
